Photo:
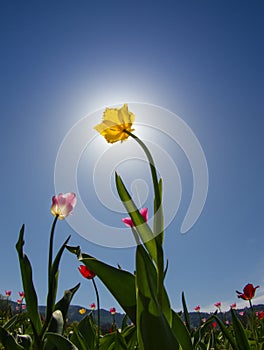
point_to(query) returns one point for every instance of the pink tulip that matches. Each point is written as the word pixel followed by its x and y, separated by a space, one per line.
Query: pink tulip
pixel 241 313
pixel 204 320
pixel 233 306
pixel 63 204
pixel 24 307
pixel 197 308
pixel 19 301
pixel 218 304
pixel 8 293
pixel 22 295
pixel 128 221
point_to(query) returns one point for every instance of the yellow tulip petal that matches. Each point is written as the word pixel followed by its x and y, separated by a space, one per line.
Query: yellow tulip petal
pixel 115 121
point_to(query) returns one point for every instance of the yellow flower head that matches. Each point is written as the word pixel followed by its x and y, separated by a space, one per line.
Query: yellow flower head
pixel 82 311
pixel 115 121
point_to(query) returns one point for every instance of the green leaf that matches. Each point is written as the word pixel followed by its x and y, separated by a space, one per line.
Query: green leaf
pixel 106 341
pixel 141 226
pixel 64 303
pixel 240 335
pixel 25 340
pixel 120 283
pixel 226 333
pixel 28 286
pixel 186 313
pixel 8 340
pixel 56 323
pixel 53 278
pixel 11 322
pixel 130 335
pixel 60 342
pixel 181 333
pixel 153 329
pixel 84 336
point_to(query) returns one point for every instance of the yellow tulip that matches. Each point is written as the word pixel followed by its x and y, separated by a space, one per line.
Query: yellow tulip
pixel 82 311
pixel 115 122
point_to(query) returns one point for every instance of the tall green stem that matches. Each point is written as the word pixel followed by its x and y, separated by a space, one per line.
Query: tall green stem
pixel 51 247
pixel 253 323
pixel 98 314
pixel 158 219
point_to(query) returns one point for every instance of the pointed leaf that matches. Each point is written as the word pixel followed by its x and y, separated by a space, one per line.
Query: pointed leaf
pixel 226 333
pixel 28 286
pixel 84 334
pixel 53 278
pixel 240 335
pixel 64 303
pixel 186 313
pixel 142 227
pixel 181 333
pixel 153 329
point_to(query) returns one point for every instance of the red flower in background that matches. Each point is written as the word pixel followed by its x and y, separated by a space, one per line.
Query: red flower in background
pixel 22 295
pixel 197 308
pixel 85 272
pixel 233 306
pixel 248 292
pixel 92 306
pixel 260 315
pixel 218 304
pixel 8 293
pixel 112 310
pixel 214 324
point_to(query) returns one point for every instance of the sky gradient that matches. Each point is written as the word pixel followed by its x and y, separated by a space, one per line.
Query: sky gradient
pixel 202 60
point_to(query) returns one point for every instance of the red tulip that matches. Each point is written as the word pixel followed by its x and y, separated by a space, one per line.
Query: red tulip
pixel 8 293
pixel 214 324
pixel 233 306
pixel 92 306
pixel 260 315
pixel 63 204
pixel 85 272
pixel 128 221
pixel 249 292
pixel 112 310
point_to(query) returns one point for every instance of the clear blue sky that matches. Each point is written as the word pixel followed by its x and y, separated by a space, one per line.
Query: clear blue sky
pixel 201 59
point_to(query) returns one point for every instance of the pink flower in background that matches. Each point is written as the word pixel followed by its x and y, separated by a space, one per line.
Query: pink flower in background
pixel 92 306
pixel 112 310
pixel 227 322
pixel 128 221
pixel 197 308
pixel 204 320
pixel 218 304
pixel 22 295
pixel 8 293
pixel 63 204
pixel 248 292
pixel 241 313
pixel 19 301
pixel 233 306
pixel 24 307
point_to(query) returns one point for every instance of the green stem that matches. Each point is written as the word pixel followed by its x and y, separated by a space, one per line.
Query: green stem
pixel 98 314
pixel 158 229
pixel 253 323
pixel 51 246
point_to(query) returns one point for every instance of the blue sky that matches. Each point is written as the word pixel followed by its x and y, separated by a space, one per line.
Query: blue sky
pixel 202 60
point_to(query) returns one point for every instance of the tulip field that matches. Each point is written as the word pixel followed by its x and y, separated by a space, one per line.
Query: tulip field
pixel 149 323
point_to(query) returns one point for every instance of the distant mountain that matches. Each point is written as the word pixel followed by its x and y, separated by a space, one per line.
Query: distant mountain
pixel 107 318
